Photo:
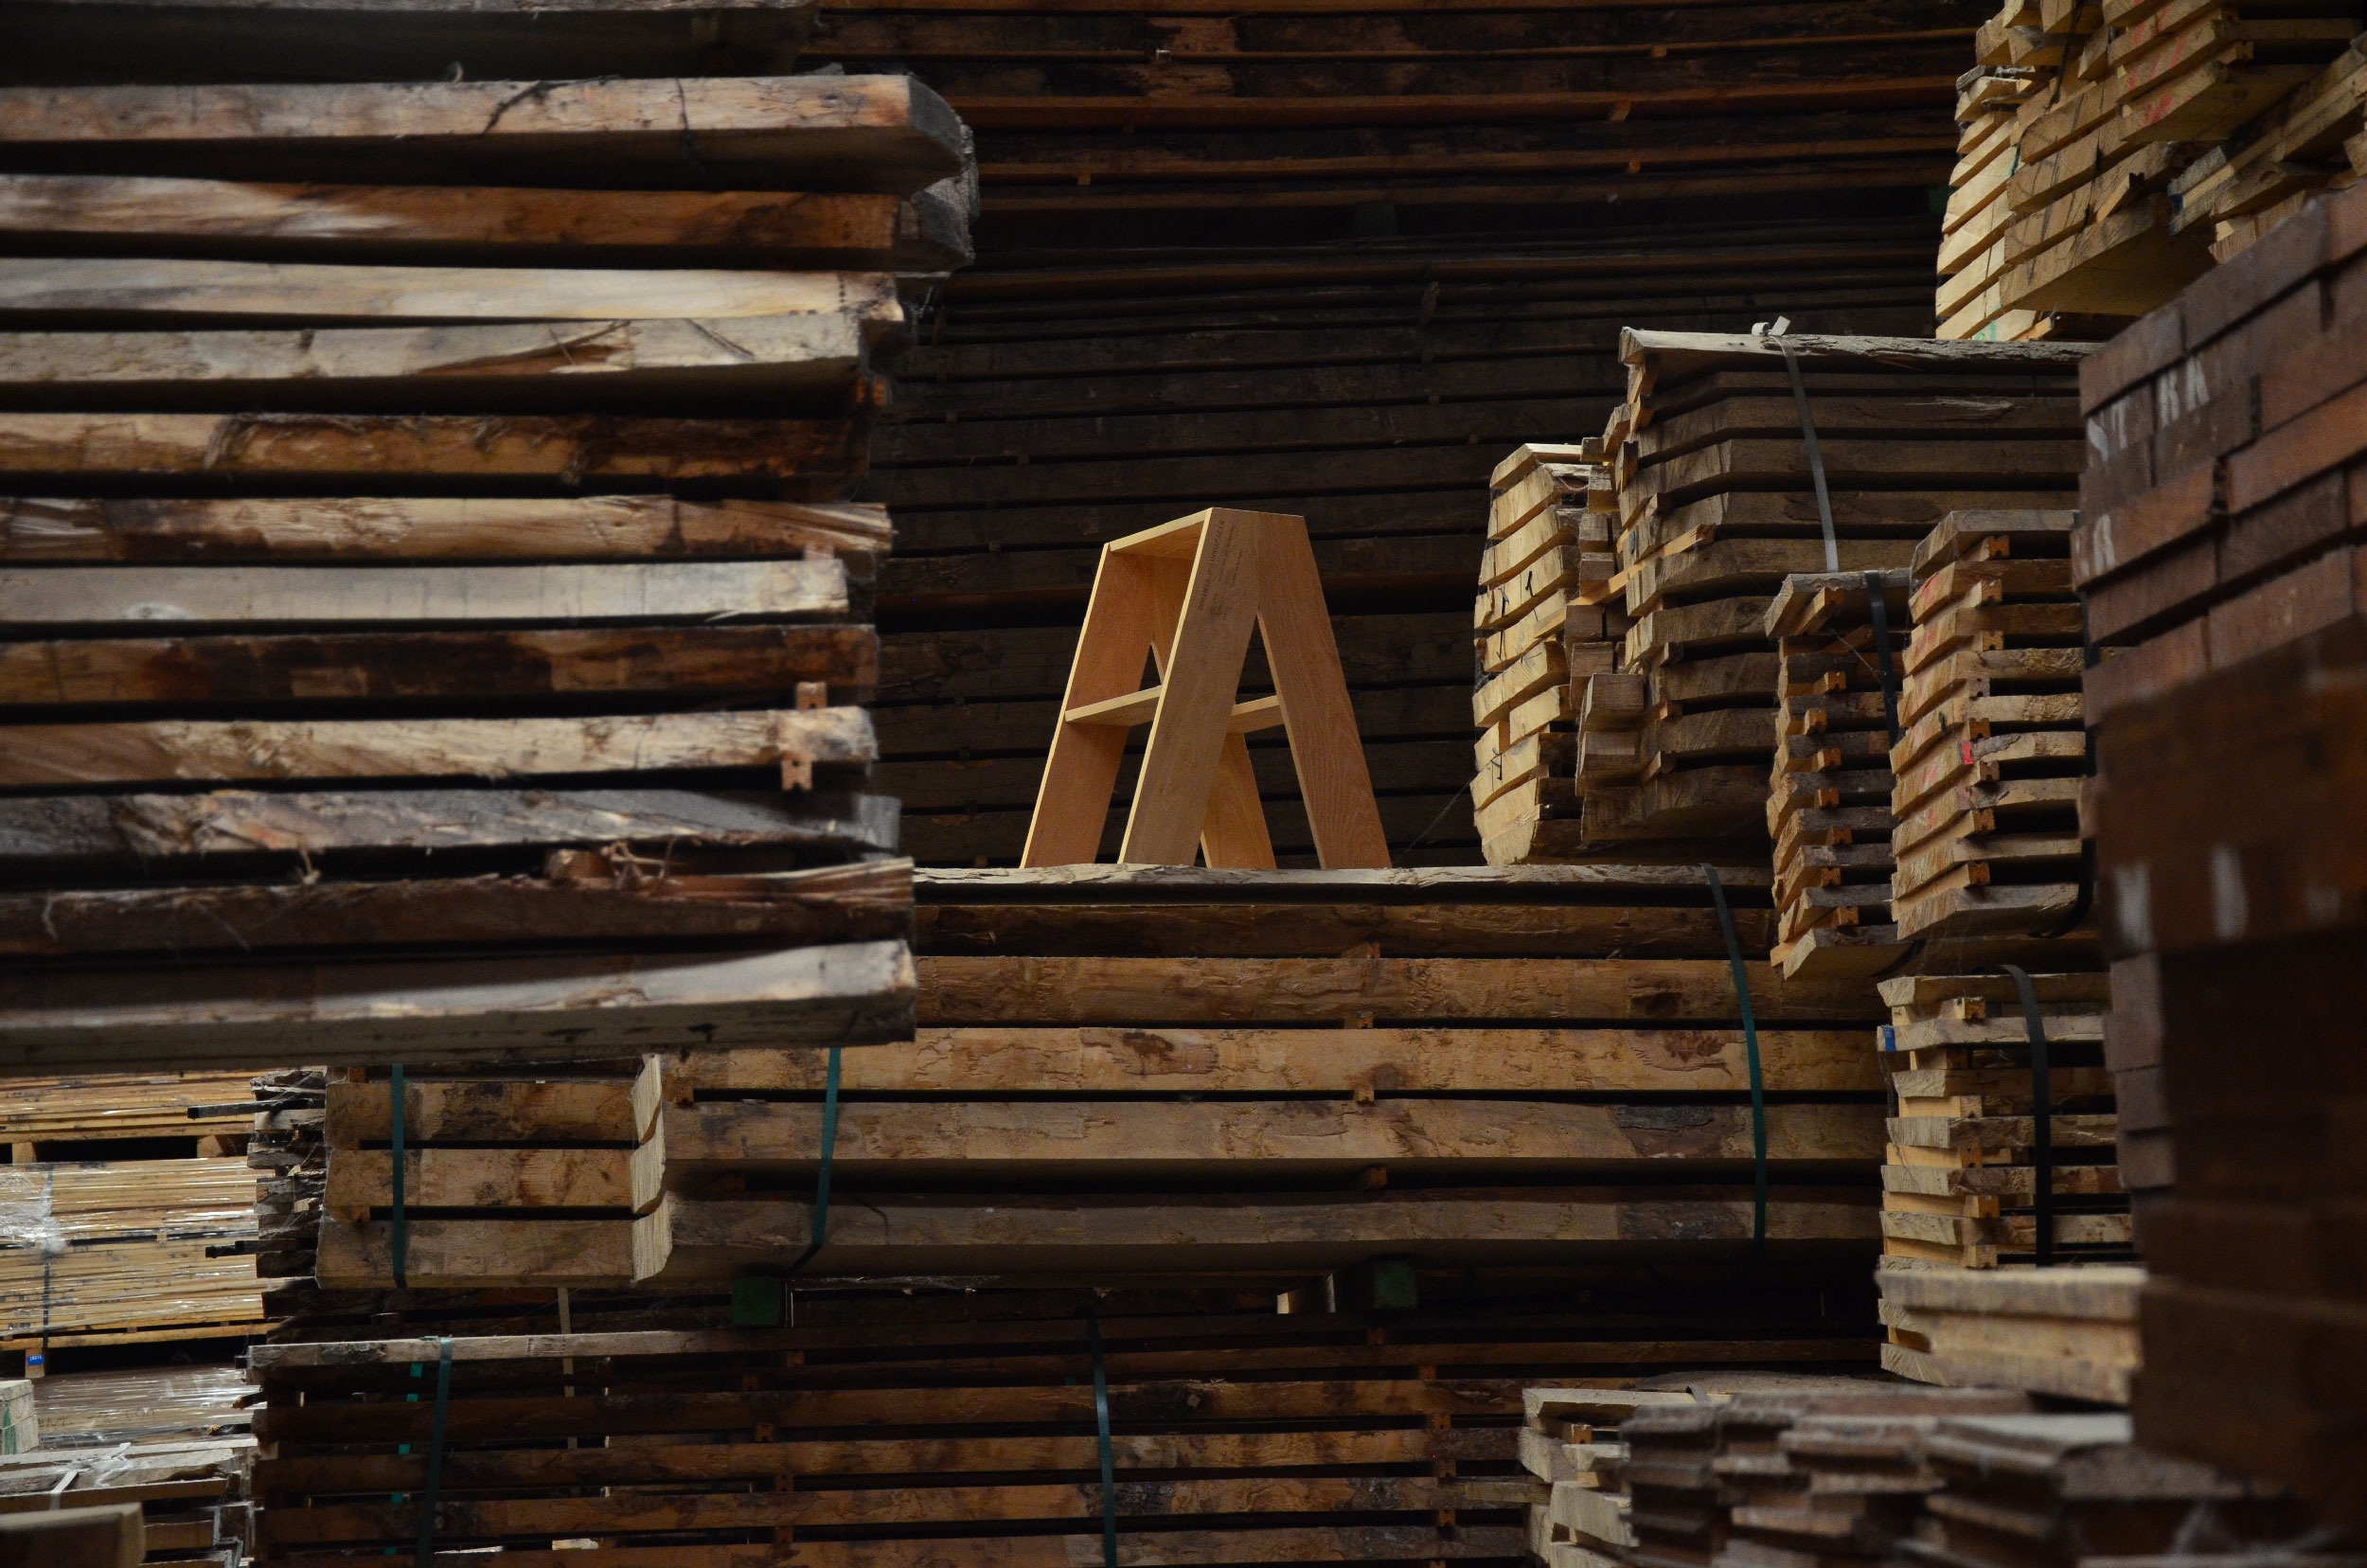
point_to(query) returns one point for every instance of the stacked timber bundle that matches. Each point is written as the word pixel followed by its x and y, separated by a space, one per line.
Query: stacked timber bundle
pixel 2070 1332
pixel 2054 1491
pixel 127 1214
pixel 1547 541
pixel 1825 1471
pixel 192 1494
pixel 1726 458
pixel 508 703
pixel 1317 1070
pixel 126 1250
pixel 1572 1444
pixel 2229 846
pixel 929 1426
pixel 1828 804
pixel 1994 749
pixel 514 1181
pixel 2110 152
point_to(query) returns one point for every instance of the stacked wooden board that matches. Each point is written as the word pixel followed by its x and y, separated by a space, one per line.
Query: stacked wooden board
pixel 1718 502
pixel 509 705
pixel 2215 521
pixel 1548 538
pixel 1572 1444
pixel 2229 846
pixel 191 1493
pixel 113 1251
pixel 2109 151
pixel 1807 1469
pixel 126 1213
pixel 1989 763
pixel 1961 1182
pixel 1840 640
pixel 1123 1070
pixel 510 1180
pixel 2069 1332
pixel 2047 1491
pixel 930 1425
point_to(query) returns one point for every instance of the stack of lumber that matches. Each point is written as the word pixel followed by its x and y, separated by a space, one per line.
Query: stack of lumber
pixel 143 1405
pixel 42 1117
pixel 2230 844
pixel 1178 1070
pixel 1061 398
pixel 2053 1491
pixel 1960 1182
pixel 1989 765
pixel 1828 804
pixel 510 700
pixel 2220 520
pixel 191 1493
pixel 2070 1332
pixel 930 1426
pixel 2109 151
pixel 1548 540
pixel 290 1161
pixel 1716 504
pixel 2215 523
pixel 512 1180
pixel 1822 1472
pixel 1571 1443
pixel 117 1251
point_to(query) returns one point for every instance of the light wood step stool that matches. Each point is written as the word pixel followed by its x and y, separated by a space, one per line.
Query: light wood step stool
pixel 1187 593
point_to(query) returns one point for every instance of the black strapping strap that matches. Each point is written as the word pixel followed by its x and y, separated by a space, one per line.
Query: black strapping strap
pixel 435 1454
pixel 1816 456
pixel 400 1241
pixel 2042 1114
pixel 822 1177
pixel 1109 1456
pixel 1751 1053
pixel 1881 613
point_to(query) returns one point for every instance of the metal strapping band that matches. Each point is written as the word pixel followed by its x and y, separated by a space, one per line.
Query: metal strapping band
pixel 401 1239
pixel 1751 1053
pixel 1882 653
pixel 822 1177
pixel 1816 456
pixel 2042 1114
pixel 1109 1458
pixel 435 1453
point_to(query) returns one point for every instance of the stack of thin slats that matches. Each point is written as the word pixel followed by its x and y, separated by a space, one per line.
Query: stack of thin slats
pixel 109 1252
pixel 458 641
pixel 129 1214
pixel 1828 804
pixel 1989 769
pixel 2110 150
pixel 1716 490
pixel 1548 540
pixel 1959 1181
